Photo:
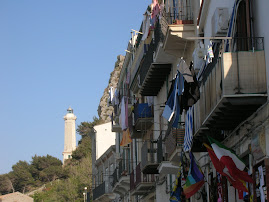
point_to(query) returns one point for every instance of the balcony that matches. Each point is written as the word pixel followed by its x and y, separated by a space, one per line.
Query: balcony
pixel 103 192
pixel 233 87
pixel 139 54
pixel 155 76
pixel 141 184
pixel 143 117
pixel 149 161
pixel 174 143
pixel 160 56
pixel 180 30
pixel 115 126
pixel 121 180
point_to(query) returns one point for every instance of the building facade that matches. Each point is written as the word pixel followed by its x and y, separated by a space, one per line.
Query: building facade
pixel 220 50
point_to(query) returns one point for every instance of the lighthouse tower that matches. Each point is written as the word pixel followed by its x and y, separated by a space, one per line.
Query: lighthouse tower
pixel 69 134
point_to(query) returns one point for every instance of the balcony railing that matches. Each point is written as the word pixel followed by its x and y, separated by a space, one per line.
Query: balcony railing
pixel 115 127
pixel 102 189
pixel 244 44
pixel 158 35
pixel 175 139
pixel 140 183
pixel 142 110
pixel 160 154
pixel 149 161
pixel 180 15
pixel 146 62
pixel 99 191
pixel 115 177
pixel 233 87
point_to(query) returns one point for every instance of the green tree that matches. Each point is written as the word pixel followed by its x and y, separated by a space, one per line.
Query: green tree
pixel 46 168
pixel 21 176
pixel 6 185
pixel 85 128
pixel 83 150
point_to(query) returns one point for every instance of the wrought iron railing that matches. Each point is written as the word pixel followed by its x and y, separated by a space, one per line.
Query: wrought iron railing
pixel 244 44
pixel 99 191
pixel 158 35
pixel 148 59
pixel 149 151
pixel 174 139
pixel 180 15
pixel 160 156
pixel 137 177
pixel 115 177
pixel 142 110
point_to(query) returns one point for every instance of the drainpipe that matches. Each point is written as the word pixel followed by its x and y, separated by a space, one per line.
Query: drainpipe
pixel 207 184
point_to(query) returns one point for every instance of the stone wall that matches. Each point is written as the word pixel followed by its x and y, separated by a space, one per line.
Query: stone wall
pixel 105 111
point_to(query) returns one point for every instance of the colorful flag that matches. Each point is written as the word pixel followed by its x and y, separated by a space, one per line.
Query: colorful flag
pixel 223 170
pixel 195 179
pixel 126 138
pixel 233 163
pixel 177 189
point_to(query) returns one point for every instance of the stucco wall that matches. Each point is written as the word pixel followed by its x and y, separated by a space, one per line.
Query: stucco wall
pixel 104 138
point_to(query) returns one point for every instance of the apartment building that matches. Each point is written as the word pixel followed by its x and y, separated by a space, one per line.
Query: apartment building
pixel 220 50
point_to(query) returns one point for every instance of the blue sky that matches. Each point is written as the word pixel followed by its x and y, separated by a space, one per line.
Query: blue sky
pixel 55 54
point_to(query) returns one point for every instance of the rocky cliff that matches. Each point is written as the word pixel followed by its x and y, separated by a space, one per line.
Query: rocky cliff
pixel 105 111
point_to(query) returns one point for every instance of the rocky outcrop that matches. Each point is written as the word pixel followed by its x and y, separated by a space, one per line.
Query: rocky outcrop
pixel 105 111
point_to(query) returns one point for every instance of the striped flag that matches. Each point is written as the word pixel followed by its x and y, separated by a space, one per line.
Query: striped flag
pixel 188 130
pixel 231 164
pixel 222 169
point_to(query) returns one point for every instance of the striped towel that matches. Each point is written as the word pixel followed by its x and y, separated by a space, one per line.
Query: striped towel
pixel 188 130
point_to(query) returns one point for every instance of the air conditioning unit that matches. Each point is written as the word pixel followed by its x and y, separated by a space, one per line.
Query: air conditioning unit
pixel 220 21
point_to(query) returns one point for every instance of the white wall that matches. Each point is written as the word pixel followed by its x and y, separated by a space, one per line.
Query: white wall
pixel 161 194
pixel 104 138
pixel 211 9
pixel 261 27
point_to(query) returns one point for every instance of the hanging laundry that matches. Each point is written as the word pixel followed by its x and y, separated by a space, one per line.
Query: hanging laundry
pixel 191 91
pixel 195 179
pixel 150 100
pixel 146 25
pixel 155 10
pixel 185 70
pixel 128 75
pixel 172 108
pixel 188 130
pixel 123 122
pixel 210 54
pixel 115 100
pixel 126 138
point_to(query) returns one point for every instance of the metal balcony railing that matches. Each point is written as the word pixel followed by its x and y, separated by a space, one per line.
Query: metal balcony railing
pixel 148 59
pixel 149 151
pixel 174 139
pixel 99 191
pixel 160 156
pixel 137 177
pixel 142 110
pixel 158 35
pixel 115 177
pixel 244 44
pixel 180 15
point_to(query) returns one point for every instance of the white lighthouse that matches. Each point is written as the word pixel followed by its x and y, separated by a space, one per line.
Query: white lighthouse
pixel 69 134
